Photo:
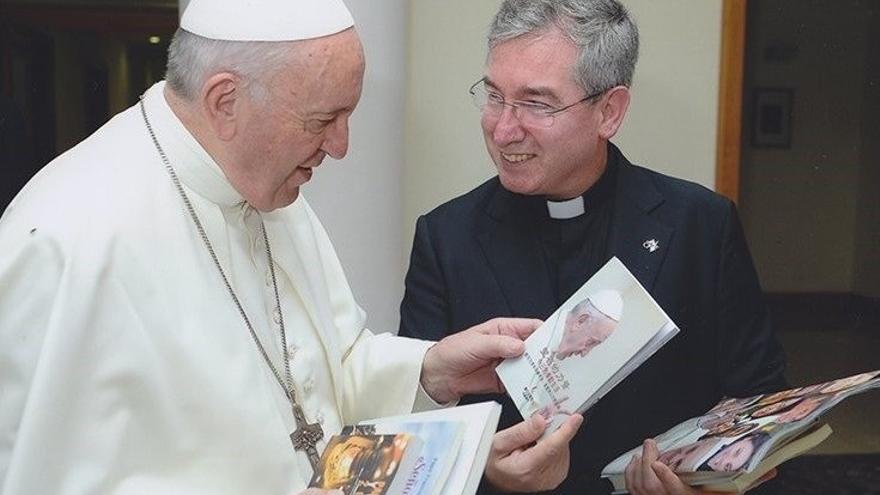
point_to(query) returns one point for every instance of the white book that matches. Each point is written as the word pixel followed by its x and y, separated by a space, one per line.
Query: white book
pixel 478 424
pixel 441 442
pixel 603 332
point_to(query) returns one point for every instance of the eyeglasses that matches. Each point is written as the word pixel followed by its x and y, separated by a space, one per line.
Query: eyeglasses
pixel 529 113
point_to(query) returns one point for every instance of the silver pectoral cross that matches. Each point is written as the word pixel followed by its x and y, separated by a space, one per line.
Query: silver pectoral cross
pixel 306 436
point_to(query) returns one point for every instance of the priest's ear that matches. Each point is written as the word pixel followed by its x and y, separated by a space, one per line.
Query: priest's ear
pixel 614 107
pixel 221 103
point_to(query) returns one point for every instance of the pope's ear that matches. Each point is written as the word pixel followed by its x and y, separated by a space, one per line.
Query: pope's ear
pixel 613 111
pixel 220 101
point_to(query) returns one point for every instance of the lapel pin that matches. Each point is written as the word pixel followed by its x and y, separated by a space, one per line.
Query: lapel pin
pixel 651 245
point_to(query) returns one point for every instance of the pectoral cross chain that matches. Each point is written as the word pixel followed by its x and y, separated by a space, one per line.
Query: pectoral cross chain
pixel 306 436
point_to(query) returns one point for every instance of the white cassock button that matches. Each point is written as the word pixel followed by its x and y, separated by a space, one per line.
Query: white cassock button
pixel 268 278
pixel 291 350
pixel 276 315
pixel 309 384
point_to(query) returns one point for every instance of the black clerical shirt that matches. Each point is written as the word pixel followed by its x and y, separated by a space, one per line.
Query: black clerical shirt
pixel 575 248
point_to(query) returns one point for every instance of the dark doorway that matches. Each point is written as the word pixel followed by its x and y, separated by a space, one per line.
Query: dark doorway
pixel 65 69
pixel 810 191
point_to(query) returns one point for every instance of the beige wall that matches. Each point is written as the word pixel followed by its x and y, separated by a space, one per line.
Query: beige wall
pixel 444 153
pixel 672 123
pixel 800 204
pixel 358 198
pixel 671 126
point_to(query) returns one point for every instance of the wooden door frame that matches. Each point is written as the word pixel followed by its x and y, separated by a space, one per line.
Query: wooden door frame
pixel 730 95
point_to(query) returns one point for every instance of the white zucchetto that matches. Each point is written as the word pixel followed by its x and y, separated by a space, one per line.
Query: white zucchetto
pixel 265 20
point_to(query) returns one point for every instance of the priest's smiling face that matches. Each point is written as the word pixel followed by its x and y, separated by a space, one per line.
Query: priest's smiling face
pixel 302 118
pixel 559 161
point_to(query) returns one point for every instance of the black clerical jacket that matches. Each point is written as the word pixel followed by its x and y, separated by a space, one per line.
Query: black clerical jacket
pixel 478 257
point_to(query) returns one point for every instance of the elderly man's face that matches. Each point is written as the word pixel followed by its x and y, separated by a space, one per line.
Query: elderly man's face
pixel 303 119
pixel 584 331
pixel 557 161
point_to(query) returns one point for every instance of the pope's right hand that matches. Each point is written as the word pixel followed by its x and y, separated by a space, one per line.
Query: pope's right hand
pixel 522 461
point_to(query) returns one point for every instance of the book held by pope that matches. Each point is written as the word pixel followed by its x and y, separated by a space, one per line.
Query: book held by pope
pixel 440 452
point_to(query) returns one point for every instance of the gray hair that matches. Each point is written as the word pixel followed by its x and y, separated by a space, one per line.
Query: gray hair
pixel 603 31
pixel 192 59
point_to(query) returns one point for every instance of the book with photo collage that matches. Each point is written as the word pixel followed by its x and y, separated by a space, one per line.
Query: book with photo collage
pixel 739 440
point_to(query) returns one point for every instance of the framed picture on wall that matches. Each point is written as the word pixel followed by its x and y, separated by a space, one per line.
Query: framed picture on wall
pixel 772 118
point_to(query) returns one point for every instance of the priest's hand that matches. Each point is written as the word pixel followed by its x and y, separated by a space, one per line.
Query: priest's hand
pixel 518 464
pixel 645 475
pixel 464 362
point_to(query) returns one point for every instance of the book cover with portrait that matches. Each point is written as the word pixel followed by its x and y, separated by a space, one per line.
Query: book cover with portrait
pixel 740 439
pixel 604 331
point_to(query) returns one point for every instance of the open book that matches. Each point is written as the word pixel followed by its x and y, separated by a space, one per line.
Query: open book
pixel 603 332
pixel 739 440
pixel 439 452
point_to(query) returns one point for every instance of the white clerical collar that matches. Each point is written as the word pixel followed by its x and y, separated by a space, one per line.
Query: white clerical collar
pixel 195 167
pixel 563 210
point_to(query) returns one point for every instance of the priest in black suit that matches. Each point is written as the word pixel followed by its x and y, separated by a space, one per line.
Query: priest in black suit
pixel 555 90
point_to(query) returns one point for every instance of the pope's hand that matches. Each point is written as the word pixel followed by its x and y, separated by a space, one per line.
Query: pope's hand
pixel 518 464
pixel 464 362
pixel 645 475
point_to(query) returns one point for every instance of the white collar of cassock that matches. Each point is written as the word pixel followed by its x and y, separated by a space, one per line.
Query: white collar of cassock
pixel 195 167
pixel 563 210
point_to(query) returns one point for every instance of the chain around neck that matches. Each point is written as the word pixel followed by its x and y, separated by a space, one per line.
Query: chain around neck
pixel 286 382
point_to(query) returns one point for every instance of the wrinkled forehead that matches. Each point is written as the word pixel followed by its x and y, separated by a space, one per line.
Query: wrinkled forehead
pixel 342 51
pixel 324 75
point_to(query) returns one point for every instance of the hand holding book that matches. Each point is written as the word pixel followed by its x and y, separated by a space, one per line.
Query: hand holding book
pixel 464 363
pixel 647 475
pixel 609 327
pixel 732 446
pixel 522 461
pixel 603 332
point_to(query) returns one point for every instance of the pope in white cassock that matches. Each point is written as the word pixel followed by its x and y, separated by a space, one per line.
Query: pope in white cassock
pixel 173 318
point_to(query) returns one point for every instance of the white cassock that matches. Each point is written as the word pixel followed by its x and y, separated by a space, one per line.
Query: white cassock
pixel 125 367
